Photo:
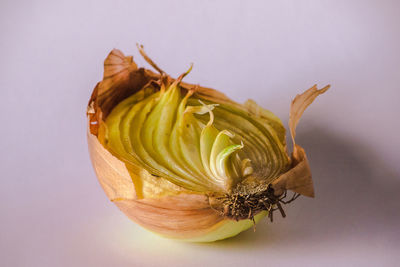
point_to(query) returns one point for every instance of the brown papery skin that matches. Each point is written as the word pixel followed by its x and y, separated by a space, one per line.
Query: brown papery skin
pixel 183 214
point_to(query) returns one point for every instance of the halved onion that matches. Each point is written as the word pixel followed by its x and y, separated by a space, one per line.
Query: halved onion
pixel 185 161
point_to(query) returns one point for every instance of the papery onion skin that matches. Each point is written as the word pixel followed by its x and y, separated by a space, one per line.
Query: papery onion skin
pixel 161 206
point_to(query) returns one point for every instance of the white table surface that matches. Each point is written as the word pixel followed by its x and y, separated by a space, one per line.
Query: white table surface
pixel 53 211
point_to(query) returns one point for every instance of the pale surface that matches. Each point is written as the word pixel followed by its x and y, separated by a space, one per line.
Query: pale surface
pixel 53 211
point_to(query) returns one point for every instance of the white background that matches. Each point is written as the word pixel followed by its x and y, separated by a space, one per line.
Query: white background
pixel 53 211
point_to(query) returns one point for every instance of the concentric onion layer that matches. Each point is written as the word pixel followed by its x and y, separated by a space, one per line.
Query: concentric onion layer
pixel 200 145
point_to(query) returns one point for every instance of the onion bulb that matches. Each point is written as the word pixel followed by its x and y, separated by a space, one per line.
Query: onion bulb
pixel 185 161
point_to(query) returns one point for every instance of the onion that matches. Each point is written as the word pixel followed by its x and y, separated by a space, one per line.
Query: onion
pixel 185 161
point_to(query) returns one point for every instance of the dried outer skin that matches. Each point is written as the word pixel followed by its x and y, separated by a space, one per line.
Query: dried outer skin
pixel 180 213
pixel 298 178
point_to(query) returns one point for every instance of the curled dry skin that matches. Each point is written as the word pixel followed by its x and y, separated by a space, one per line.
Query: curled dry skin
pixel 185 161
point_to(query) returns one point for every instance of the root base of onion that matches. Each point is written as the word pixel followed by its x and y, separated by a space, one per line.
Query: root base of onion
pixel 240 206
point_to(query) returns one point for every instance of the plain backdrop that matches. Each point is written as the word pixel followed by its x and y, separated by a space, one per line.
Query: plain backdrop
pixel 53 211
